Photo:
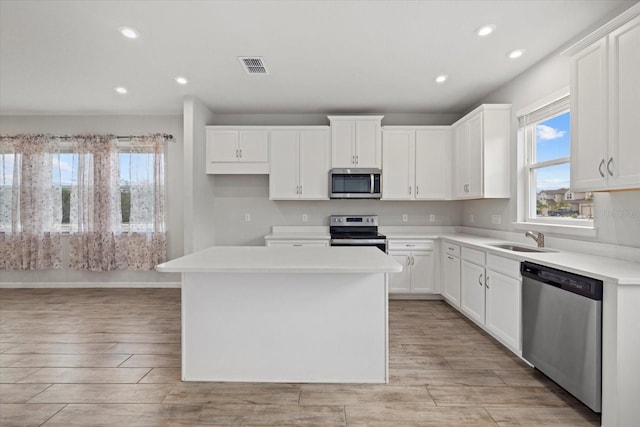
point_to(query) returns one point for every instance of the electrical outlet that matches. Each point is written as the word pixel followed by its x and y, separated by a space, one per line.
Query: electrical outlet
pixel 405 217
pixel 247 217
pixel 305 217
pixel 496 219
pixel 432 218
pixel 472 218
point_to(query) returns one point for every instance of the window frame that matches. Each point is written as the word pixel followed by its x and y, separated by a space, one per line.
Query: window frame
pixel 552 106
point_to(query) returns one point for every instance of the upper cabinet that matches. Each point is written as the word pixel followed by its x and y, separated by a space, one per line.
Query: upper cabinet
pixel 416 162
pixel 481 153
pixel 356 141
pixel 605 108
pixel 237 150
pixel 299 163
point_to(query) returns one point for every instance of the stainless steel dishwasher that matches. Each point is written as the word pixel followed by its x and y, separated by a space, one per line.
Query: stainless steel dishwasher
pixel 562 329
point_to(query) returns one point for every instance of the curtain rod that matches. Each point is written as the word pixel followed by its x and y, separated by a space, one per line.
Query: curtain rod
pixel 166 136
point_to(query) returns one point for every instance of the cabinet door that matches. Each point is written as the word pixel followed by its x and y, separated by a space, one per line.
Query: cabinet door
pixel 283 178
pixel 422 272
pixel 222 145
pixel 451 279
pixel 502 317
pixel 368 145
pixel 461 161
pixel 254 146
pixel 623 164
pixel 343 133
pixel 589 118
pixel 398 171
pixel 314 164
pixel 432 164
pixel 401 282
pixel 472 291
pixel 475 158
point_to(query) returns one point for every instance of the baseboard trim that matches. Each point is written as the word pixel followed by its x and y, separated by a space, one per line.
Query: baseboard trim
pixel 64 285
pixel 427 297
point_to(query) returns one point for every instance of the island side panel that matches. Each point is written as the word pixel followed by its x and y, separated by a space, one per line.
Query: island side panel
pixel 285 327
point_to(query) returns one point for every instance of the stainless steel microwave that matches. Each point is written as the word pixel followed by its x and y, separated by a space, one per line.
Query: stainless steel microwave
pixel 355 183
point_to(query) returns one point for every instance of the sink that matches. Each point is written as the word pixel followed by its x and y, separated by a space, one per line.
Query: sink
pixel 518 248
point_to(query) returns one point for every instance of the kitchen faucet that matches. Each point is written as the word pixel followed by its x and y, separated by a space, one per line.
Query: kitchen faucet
pixel 538 237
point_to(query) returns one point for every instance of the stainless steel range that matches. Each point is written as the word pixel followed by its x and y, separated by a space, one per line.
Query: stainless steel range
pixel 356 230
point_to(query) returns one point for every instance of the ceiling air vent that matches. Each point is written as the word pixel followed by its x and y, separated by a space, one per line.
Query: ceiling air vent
pixel 253 64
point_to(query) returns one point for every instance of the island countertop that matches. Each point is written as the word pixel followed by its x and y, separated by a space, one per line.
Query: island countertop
pixel 265 259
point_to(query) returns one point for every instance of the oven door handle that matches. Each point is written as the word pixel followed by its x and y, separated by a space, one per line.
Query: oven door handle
pixel 372 181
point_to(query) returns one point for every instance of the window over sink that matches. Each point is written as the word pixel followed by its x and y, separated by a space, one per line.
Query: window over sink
pixel 544 190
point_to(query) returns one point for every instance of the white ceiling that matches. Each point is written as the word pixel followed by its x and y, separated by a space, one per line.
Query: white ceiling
pixel 66 57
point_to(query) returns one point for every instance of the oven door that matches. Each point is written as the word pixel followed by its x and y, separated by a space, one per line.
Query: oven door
pixel 355 184
pixel 378 243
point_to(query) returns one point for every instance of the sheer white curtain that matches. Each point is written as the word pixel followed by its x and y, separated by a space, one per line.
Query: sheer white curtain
pixel 30 203
pixel 95 215
pixel 106 175
pixel 146 241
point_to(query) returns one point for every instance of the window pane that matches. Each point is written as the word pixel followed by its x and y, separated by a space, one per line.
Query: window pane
pixel 136 177
pixel 552 138
pixel 63 167
pixel 555 199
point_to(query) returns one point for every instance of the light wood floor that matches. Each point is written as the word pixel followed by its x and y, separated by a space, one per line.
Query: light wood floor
pixel 78 357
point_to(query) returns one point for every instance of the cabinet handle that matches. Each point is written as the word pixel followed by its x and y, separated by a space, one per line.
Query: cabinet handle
pixel 241 152
pixel 480 279
pixel 600 168
pixel 450 248
pixel 408 260
pixel 297 244
pixel 409 245
pixel 451 258
pixel 413 260
pixel 301 189
pixel 417 189
pixel 353 159
pixel 409 189
pixel 609 166
pixel 237 155
pixel 357 160
pixel 487 282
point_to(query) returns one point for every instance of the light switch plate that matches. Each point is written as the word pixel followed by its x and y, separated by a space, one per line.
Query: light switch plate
pixel 405 217
pixel 432 218
pixel 305 217
pixel 247 217
pixel 496 219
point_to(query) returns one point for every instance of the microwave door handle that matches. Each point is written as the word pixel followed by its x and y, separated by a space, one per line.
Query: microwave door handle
pixel 371 187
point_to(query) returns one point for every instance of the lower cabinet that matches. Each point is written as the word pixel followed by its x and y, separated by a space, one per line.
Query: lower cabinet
pixel 450 283
pixel 490 294
pixel 417 261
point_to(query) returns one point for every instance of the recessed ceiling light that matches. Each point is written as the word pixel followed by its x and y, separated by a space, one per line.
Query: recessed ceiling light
pixel 128 32
pixel 514 54
pixel 485 30
pixel 441 78
pixel 121 90
pixel 181 80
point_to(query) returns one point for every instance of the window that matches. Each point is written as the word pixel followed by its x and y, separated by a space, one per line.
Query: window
pixel 548 198
pixel 135 170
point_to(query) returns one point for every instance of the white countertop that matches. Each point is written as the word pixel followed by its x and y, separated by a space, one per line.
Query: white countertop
pixel 603 268
pixel 264 259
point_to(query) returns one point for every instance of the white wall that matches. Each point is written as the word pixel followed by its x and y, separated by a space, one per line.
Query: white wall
pixel 118 125
pixel 199 230
pixel 617 215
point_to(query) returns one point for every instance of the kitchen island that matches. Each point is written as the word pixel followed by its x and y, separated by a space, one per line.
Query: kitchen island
pixel 285 314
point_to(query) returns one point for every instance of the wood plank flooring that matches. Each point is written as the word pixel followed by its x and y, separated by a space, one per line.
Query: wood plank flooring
pixel 79 357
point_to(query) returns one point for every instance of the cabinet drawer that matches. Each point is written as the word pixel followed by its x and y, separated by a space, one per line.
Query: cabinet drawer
pixel 506 266
pixel 473 255
pixel 410 245
pixel 451 249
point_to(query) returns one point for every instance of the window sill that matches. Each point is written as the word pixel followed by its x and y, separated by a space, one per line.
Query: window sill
pixel 559 229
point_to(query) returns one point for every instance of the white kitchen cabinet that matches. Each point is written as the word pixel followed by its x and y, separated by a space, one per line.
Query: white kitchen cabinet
pixel 237 150
pixel 472 298
pixel 416 258
pixel 416 162
pixel 502 308
pixel 356 141
pixel 481 153
pixel 450 283
pixel 299 164
pixel 605 111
